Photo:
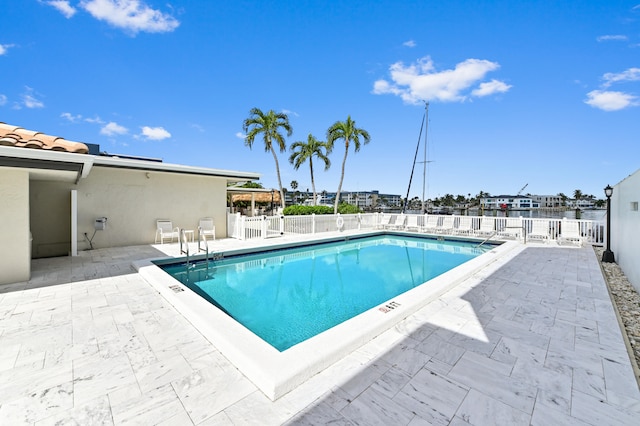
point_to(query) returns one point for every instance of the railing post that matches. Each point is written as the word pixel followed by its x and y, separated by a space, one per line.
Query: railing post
pixel 359 220
pixel 313 223
pixel 281 224
pixel 263 228
pixel 241 226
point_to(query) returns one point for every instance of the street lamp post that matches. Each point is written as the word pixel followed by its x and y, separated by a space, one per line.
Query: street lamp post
pixel 607 256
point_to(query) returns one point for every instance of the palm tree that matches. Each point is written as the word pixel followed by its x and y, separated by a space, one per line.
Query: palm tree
pixel 303 151
pixel 269 125
pixel 347 131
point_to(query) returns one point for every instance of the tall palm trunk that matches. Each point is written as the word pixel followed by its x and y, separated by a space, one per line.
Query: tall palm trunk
pixel 275 157
pixel 313 184
pixel 344 161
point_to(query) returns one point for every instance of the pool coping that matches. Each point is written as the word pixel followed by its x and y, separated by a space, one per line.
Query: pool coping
pixel 276 373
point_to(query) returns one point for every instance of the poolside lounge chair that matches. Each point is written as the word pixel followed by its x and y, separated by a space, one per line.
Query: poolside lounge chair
pixel 446 226
pixel 487 227
pixel 432 223
pixel 570 232
pixel 412 223
pixel 165 230
pixel 512 228
pixel 399 223
pixel 464 225
pixel 207 228
pixel 539 230
pixel 385 221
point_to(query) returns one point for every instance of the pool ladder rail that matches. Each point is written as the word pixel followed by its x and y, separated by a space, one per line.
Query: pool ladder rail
pixel 184 248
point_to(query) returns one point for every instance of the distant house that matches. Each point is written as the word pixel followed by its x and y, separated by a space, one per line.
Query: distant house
pixel 55 193
pixel 511 202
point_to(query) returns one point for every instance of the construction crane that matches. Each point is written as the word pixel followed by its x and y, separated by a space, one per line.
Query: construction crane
pixel 522 189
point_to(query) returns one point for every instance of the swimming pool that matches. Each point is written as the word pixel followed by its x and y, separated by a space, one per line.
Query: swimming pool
pixel 277 372
pixel 288 296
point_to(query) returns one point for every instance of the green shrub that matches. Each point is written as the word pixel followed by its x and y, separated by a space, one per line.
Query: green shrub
pixel 344 208
pixel 306 210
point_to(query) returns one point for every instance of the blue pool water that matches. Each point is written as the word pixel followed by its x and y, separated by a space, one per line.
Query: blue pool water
pixel 287 296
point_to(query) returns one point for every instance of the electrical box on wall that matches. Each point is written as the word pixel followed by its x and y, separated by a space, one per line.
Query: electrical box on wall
pixel 100 224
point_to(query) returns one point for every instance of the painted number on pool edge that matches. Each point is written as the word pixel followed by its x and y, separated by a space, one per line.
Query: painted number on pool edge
pixel 388 307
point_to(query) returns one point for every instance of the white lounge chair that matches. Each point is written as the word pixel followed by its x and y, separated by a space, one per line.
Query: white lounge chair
pixel 207 228
pixel 399 223
pixel 384 221
pixel 446 227
pixel 412 223
pixel 464 225
pixel 539 230
pixel 570 232
pixel 432 223
pixel 165 230
pixel 487 227
pixel 512 228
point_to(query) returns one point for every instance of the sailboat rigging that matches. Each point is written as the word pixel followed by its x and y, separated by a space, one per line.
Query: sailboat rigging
pixel 424 126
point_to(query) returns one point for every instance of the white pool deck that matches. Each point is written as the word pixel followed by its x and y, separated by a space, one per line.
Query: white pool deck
pixel 532 339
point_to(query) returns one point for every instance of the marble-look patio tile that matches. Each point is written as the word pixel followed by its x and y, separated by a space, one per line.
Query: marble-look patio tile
pixel 256 408
pixel 372 408
pixel 37 405
pixel 480 409
pixel 22 381
pixel 438 367
pixel 206 392
pixel 474 337
pixel 545 416
pixel 509 350
pixel 431 396
pixel 589 382
pixel 391 382
pixel 321 414
pixel 518 332
pixel 406 358
pixel 95 376
pixel 162 372
pixel 559 358
pixel 8 355
pixel 365 377
pixel 598 412
pixel 94 412
pixel 619 378
pixel 441 350
pixel 177 418
pixel 473 374
pixel 220 419
pixel 150 407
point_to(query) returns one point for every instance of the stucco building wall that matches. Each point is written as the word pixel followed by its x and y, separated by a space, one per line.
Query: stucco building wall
pixel 15 261
pixel 131 200
pixel 625 227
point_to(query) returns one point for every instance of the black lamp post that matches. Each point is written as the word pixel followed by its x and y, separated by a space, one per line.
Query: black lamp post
pixel 607 256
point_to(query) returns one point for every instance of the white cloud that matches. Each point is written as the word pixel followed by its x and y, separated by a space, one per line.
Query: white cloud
pixel 112 129
pixel 63 7
pixel 4 48
pixel 155 133
pixel 72 118
pixel 409 43
pixel 613 37
pixel 421 82
pixel 3 100
pixel 130 15
pixel 95 120
pixel 491 87
pixel 29 99
pixel 240 135
pixel 632 74
pixel 610 101
pixel 289 112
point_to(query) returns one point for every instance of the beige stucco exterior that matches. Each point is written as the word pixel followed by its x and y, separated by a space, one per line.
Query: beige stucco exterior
pixel 15 259
pixel 131 200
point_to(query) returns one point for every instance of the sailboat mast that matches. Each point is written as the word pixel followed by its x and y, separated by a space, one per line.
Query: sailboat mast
pixel 424 163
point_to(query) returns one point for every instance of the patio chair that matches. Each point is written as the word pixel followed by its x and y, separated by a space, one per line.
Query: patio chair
pixel 446 227
pixel 487 227
pixel 399 222
pixel 512 228
pixel 206 228
pixel 464 225
pixel 432 223
pixel 570 232
pixel 165 230
pixel 412 223
pixel 539 230
pixel 384 221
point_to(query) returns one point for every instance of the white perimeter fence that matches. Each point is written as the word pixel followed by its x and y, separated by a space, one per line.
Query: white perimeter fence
pixel 589 231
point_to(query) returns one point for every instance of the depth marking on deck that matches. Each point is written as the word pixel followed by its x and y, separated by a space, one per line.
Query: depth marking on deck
pixel 388 307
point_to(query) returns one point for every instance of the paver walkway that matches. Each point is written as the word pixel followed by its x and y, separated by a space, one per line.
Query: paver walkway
pixel 535 341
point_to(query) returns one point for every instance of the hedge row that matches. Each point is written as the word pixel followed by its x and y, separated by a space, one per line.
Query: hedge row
pixel 343 208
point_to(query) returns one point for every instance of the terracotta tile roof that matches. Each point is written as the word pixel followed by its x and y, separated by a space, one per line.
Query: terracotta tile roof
pixel 22 138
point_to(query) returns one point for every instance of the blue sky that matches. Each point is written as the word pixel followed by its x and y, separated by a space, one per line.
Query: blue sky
pixel 542 93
